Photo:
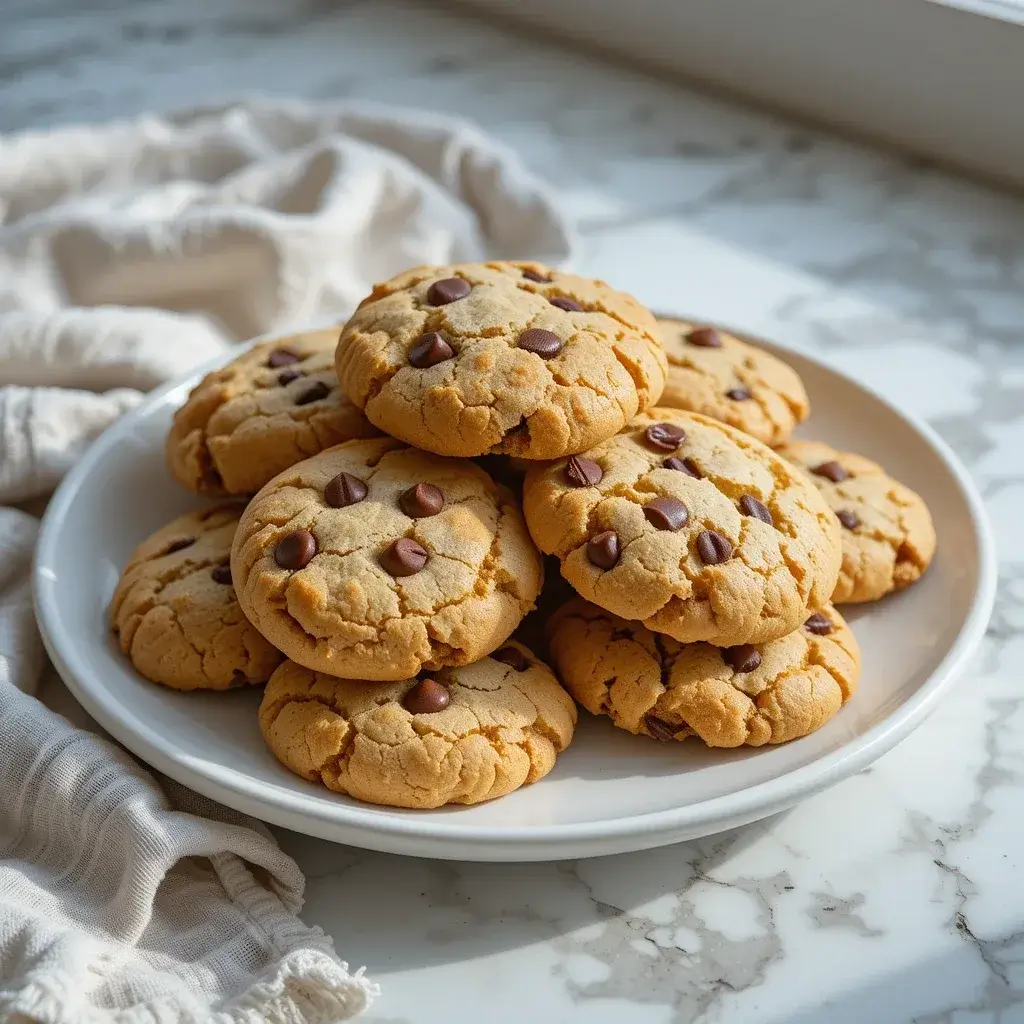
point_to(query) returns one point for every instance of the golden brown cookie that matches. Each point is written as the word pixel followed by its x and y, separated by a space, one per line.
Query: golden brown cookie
pixel 500 358
pixel 460 736
pixel 887 533
pixel 373 561
pixel 690 526
pixel 175 611
pixel 652 685
pixel 276 404
pixel 714 373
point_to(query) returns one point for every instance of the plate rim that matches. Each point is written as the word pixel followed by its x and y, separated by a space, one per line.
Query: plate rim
pixel 392 831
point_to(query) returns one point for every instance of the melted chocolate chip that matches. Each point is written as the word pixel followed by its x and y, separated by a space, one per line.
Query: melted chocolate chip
pixel 738 394
pixel 450 289
pixel 295 550
pixel 404 557
pixel 545 344
pixel 344 490
pixel 831 470
pixel 659 728
pixel 426 697
pixel 818 624
pixel 687 466
pixel 513 657
pixel 704 337
pixel 849 519
pixel 580 472
pixel 666 513
pixel 603 549
pixel 666 437
pixel 713 548
pixel 567 304
pixel 533 275
pixel 282 357
pixel 314 393
pixel 421 501
pixel 284 379
pixel 221 574
pixel 750 506
pixel 430 349
pixel 744 658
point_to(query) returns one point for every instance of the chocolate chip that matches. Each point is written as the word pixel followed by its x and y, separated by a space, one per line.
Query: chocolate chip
pixel 849 519
pixel 582 472
pixel 666 513
pixel 738 394
pixel 512 657
pixel 421 501
pixel 430 349
pixel 284 379
pixel 567 304
pixel 704 337
pixel 665 436
pixel 440 293
pixel 603 549
pixel 750 506
pixel 687 466
pixel 659 728
pixel 403 558
pixel 179 545
pixel 426 697
pixel 532 275
pixel 344 490
pixel 819 624
pixel 313 393
pixel 282 357
pixel 831 470
pixel 744 658
pixel 712 547
pixel 543 343
pixel 295 550
pixel 221 574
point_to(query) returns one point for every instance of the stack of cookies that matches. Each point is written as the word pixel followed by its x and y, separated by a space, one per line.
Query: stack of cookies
pixel 387 491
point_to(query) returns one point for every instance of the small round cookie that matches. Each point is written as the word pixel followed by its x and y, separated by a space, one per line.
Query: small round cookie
pixel 500 358
pixel 653 685
pixel 276 404
pixel 175 611
pixel 459 736
pixel 690 526
pixel 887 533
pixel 374 561
pixel 711 372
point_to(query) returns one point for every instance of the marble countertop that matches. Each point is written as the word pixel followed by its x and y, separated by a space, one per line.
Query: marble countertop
pixel 897 895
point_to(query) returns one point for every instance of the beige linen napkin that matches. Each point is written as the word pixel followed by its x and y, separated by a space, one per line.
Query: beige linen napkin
pixel 129 253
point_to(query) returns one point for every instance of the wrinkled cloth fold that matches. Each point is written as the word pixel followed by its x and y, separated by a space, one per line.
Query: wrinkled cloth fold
pixel 129 253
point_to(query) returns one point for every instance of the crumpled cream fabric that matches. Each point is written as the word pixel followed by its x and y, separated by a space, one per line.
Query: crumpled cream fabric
pixel 129 253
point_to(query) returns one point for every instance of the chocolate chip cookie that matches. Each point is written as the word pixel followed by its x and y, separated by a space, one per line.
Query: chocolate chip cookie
pixel 750 694
pixel 458 736
pixel 888 539
pixel 501 358
pixel 175 611
pixel 690 526
pixel 373 561
pixel 714 373
pixel 276 404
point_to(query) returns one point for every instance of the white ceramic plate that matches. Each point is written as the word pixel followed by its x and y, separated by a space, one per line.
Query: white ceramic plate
pixel 610 792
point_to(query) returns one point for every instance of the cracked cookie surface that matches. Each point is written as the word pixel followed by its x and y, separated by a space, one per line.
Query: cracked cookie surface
pixel 888 538
pixel 276 404
pixel 515 359
pixel 690 526
pixel 425 564
pixel 175 611
pixel 501 727
pixel 718 375
pixel 654 686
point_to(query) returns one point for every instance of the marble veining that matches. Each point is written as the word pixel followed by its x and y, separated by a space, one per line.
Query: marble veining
pixel 894 897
